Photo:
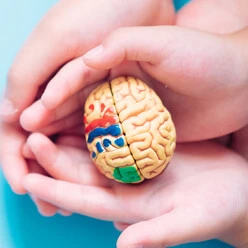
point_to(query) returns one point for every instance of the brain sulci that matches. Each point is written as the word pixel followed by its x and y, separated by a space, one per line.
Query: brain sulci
pixel 129 133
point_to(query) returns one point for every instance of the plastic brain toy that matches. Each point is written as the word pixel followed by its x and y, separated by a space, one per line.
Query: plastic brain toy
pixel 129 133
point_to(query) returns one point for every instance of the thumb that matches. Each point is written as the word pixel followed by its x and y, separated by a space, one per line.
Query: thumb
pixel 186 60
pixel 179 226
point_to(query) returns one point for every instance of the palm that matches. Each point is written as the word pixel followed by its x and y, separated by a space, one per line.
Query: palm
pixel 205 180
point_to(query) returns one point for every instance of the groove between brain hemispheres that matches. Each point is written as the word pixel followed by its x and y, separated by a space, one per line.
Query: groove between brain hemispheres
pixel 134 129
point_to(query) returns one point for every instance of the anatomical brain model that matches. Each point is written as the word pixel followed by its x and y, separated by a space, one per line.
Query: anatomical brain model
pixel 129 133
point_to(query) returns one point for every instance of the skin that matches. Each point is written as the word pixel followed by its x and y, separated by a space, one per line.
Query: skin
pixel 223 228
pixel 160 55
pixel 191 75
pixel 212 177
pixel 235 238
pixel 79 30
pixel 14 132
pixel 220 17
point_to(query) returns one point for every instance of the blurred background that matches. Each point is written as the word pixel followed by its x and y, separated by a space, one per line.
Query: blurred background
pixel 21 226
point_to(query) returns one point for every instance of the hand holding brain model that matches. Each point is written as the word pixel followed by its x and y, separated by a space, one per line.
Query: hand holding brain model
pixel 129 133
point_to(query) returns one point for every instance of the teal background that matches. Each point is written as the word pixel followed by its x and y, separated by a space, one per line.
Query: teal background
pixel 21 226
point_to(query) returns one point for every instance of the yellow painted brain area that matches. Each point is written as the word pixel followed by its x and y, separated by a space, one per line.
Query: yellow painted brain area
pixel 129 132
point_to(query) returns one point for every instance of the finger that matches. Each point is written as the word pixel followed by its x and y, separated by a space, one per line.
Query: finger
pixel 27 152
pixel 44 208
pixel 64 124
pixel 64 212
pixel 37 116
pixel 13 164
pixel 71 140
pixel 75 167
pixel 44 55
pixel 71 78
pixel 164 53
pixel 92 201
pixel 121 226
pixel 181 225
pixel 47 209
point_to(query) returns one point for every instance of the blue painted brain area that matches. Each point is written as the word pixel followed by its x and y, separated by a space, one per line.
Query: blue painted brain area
pixel 120 142
pixel 113 130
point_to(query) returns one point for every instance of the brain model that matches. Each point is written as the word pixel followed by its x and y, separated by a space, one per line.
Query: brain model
pixel 129 132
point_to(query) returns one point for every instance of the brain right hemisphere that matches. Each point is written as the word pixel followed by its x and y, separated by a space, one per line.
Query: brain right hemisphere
pixel 145 142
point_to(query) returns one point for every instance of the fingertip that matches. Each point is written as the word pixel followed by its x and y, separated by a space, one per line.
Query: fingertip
pixel 44 208
pixel 30 181
pixel 15 181
pixel 128 237
pixel 27 152
pixel 16 185
pixel 48 99
pixel 102 57
pixel 93 53
pixel 34 139
pixel 32 117
pixel 65 213
pixel 18 189
pixel 25 118
pixel 47 213
pixel 15 169
pixel 120 226
pixel 37 143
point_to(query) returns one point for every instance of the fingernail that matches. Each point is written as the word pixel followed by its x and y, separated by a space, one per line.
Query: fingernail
pixel 7 107
pixel 93 52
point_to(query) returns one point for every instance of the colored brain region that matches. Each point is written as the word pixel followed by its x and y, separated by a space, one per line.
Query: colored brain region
pixel 129 132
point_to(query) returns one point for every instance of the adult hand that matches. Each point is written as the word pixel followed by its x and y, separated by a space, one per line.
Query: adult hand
pixel 68 30
pixel 201 195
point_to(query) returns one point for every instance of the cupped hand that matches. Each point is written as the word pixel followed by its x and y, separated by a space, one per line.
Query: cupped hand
pixel 201 77
pixel 67 31
pixel 205 75
pixel 201 195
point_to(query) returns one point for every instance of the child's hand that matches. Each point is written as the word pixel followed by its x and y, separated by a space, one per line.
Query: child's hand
pixel 201 195
pixel 206 76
